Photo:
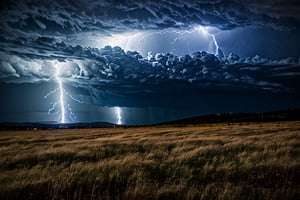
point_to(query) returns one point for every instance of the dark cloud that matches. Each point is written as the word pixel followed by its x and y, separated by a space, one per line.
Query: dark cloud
pixel 110 71
pixel 42 24
pixel 38 36
pixel 275 8
pixel 66 16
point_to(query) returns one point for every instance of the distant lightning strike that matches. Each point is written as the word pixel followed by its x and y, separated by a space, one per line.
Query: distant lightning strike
pixel 136 40
pixel 205 32
pixel 118 115
pixel 64 107
pixel 128 41
pixel 183 33
pixel 61 94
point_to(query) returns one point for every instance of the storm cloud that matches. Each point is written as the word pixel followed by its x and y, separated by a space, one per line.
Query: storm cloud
pixel 37 23
pixel 61 17
pixel 112 71
pixel 94 46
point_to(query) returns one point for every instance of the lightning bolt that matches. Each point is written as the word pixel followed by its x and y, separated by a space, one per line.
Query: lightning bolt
pixel 128 41
pixel 118 115
pixel 183 35
pixel 61 94
pixel 205 32
pixel 136 40
pixel 65 108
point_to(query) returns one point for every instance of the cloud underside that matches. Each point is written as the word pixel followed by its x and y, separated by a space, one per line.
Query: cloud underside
pixel 110 71
pixel 66 17
pixel 35 38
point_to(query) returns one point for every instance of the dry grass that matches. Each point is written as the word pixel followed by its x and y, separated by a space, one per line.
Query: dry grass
pixel 220 161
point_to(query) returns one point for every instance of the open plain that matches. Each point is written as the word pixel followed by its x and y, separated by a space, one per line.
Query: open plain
pixel 208 161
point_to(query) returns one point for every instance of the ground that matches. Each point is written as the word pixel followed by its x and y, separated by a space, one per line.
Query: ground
pixel 207 161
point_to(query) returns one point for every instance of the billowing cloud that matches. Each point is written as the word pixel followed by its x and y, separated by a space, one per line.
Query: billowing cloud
pixel 37 37
pixel 7 70
pixel 87 22
pixel 31 24
pixel 110 71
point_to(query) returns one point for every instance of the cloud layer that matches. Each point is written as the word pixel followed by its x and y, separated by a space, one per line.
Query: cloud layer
pixel 110 71
pixel 39 37
pixel 66 17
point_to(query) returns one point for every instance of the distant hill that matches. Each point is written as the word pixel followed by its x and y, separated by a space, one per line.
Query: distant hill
pixel 52 125
pixel 231 117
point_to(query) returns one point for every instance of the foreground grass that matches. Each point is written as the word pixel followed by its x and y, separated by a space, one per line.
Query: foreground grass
pixel 220 161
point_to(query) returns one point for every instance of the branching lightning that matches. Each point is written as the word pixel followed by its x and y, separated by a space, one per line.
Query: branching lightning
pixel 63 107
pixel 128 41
pixel 183 33
pixel 137 40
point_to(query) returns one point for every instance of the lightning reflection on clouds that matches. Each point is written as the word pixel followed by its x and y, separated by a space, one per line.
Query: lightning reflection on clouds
pixel 205 32
pixel 142 41
pixel 128 41
pixel 182 34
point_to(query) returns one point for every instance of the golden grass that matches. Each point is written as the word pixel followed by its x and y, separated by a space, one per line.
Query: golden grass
pixel 219 161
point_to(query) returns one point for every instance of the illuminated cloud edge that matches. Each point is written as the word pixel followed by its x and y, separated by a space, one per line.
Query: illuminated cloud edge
pixel 84 65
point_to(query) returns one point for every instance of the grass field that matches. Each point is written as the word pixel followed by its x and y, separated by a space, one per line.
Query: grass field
pixel 216 161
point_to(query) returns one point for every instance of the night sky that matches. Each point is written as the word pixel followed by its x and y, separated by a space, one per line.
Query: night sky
pixel 146 61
